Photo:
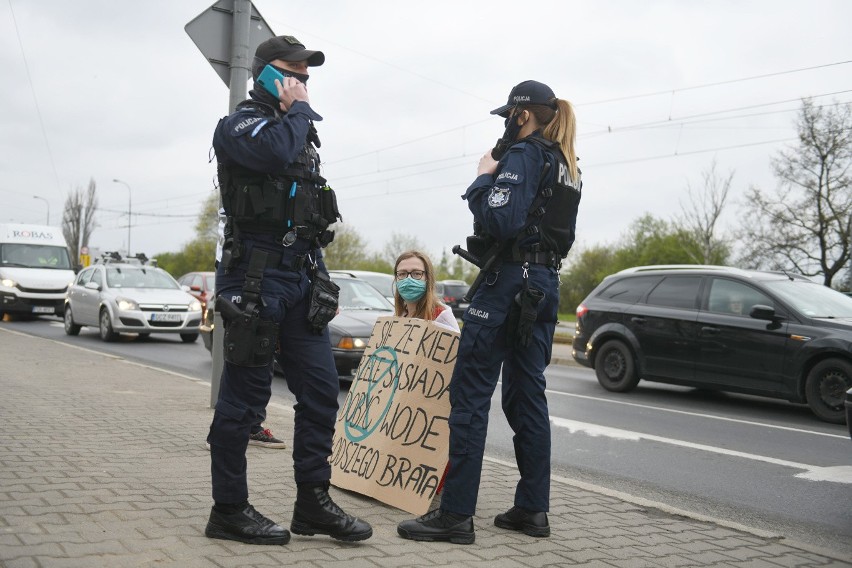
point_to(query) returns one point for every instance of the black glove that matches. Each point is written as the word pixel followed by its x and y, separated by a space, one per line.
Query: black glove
pixel 323 307
pixel 522 316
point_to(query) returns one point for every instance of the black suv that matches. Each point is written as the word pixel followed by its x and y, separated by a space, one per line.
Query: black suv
pixel 766 333
pixel 452 292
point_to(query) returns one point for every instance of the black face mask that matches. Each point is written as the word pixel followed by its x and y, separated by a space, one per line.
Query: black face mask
pixel 287 73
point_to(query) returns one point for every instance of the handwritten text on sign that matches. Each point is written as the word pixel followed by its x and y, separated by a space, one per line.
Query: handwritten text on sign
pixel 391 437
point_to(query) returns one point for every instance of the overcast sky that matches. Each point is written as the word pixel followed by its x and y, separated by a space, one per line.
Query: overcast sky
pixel 110 89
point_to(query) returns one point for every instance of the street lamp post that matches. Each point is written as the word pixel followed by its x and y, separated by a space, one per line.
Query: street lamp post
pixel 48 207
pixel 129 211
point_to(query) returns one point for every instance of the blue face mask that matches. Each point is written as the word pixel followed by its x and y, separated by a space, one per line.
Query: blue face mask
pixel 410 289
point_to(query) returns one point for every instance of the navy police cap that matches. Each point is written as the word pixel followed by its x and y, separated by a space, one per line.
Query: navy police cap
pixel 288 48
pixel 527 93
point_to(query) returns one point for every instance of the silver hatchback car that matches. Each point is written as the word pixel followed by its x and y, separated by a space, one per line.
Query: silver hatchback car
pixel 132 298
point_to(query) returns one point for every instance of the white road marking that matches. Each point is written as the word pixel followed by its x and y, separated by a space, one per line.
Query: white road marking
pixel 697 414
pixel 838 474
pixel 642 502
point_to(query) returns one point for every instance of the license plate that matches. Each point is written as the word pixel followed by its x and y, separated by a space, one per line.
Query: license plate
pixel 165 317
pixel 43 309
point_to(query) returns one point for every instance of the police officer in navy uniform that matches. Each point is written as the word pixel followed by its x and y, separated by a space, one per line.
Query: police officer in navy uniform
pixel 525 209
pixel 273 291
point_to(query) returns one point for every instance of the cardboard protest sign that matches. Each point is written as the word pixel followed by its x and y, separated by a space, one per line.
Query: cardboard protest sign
pixel 392 436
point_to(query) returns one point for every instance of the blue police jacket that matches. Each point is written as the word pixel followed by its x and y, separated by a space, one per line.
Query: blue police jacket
pixel 258 137
pixel 502 202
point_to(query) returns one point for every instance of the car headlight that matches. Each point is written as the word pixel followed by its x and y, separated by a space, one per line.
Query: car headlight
pixel 126 304
pixel 195 306
pixel 347 342
pixel 8 283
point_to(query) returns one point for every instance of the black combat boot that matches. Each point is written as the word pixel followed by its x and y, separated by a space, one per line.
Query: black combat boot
pixel 532 523
pixel 439 525
pixel 316 513
pixel 245 524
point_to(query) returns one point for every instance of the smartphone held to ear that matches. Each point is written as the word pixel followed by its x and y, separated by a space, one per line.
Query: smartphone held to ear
pixel 267 77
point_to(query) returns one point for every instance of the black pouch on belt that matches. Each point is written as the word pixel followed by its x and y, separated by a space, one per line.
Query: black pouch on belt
pixel 522 316
pixel 323 306
pixel 249 340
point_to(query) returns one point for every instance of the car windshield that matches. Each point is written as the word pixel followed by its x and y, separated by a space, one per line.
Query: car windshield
pixel 381 282
pixel 128 277
pixel 359 295
pixel 210 282
pixel 34 256
pixel 812 299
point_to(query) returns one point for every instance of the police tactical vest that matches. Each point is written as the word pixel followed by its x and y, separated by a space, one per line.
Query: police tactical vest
pixel 550 216
pixel 296 199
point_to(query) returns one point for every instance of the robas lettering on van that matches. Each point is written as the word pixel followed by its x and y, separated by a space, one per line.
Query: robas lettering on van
pixel 39 235
pixel 35 269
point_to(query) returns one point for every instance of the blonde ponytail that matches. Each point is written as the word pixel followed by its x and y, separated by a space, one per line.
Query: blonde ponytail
pixel 562 129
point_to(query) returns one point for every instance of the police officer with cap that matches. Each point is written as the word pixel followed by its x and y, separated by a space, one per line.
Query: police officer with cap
pixel 524 204
pixel 274 292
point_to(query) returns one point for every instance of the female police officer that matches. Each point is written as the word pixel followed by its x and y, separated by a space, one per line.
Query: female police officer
pixel 272 289
pixel 525 209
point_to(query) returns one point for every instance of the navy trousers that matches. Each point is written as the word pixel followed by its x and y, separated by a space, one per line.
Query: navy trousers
pixel 245 391
pixel 482 350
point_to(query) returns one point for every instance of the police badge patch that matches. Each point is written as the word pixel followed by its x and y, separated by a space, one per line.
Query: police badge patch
pixel 245 125
pixel 498 197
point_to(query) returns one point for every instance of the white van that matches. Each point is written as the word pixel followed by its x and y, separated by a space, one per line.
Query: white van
pixel 35 269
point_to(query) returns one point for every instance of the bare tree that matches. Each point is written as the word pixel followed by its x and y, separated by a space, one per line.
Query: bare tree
pixel 207 225
pixel 78 218
pixel 699 218
pixel 847 282
pixel 347 250
pixel 807 223
pixel 399 243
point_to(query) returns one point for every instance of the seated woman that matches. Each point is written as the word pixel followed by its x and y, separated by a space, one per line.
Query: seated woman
pixel 414 291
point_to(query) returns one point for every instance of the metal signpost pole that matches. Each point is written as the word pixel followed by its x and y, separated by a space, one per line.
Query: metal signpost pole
pixel 240 73
pixel 227 34
pixel 129 212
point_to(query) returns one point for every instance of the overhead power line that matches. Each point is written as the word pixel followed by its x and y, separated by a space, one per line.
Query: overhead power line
pixel 715 112
pixel 674 154
pixel 406 166
pixel 716 84
pixel 677 154
pixel 682 122
pixel 138 214
pixel 411 141
pixel 35 99
pixel 406 70
pixel 602 101
pixel 199 197
pixel 654 124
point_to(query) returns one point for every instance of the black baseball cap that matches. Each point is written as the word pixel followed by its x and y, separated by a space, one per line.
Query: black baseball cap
pixel 288 48
pixel 527 93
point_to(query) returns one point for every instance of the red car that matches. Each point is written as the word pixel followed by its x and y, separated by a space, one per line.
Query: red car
pixel 200 285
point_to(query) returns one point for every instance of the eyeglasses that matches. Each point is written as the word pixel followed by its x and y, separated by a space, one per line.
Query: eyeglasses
pixel 416 274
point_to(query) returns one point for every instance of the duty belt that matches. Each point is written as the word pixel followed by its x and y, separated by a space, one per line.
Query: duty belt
pixel 285 238
pixel 274 258
pixel 547 258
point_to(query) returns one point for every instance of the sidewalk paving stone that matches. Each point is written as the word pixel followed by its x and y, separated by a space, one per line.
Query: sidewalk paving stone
pixel 123 479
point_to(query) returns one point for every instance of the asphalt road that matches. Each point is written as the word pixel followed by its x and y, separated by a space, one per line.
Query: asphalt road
pixel 759 462
pixel 762 463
